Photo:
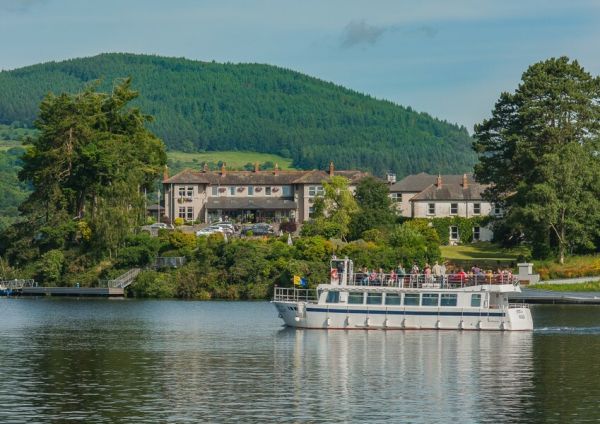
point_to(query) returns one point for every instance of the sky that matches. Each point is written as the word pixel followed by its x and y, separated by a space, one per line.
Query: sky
pixel 449 58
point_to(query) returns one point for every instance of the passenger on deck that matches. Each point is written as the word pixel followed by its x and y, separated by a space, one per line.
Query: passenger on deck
pixel 427 272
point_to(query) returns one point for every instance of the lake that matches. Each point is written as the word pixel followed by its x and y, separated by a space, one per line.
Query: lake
pixel 69 360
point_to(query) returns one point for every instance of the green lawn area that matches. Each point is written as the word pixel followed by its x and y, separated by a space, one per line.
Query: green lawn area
pixel 234 159
pixel 482 251
pixel 6 144
pixel 579 287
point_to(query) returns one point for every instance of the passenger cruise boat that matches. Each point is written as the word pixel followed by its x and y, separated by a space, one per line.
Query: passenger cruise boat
pixel 387 301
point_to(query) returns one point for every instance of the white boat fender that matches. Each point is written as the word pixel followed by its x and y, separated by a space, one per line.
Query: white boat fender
pixel 348 320
pixel 297 319
pixel 403 323
pixel 328 321
pixel 461 325
pixel 386 323
pixel 368 321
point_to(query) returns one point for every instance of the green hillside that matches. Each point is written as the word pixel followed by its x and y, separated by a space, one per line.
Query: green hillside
pixel 201 106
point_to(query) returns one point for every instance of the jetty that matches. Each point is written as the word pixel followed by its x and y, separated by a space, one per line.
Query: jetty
pixel 540 296
pixel 106 288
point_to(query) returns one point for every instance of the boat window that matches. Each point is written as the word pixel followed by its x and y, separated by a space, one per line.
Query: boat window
pixel 355 298
pixel 448 299
pixel 392 299
pixel 429 299
pixel 333 297
pixel 411 299
pixel 374 298
pixel 475 300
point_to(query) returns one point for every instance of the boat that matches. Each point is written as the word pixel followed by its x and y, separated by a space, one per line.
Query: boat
pixel 402 302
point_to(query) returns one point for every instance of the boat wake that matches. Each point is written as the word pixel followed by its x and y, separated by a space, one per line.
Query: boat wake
pixel 567 330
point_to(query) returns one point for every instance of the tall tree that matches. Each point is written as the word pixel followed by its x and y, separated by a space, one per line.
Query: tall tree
pixel 90 162
pixel 539 152
pixel 375 207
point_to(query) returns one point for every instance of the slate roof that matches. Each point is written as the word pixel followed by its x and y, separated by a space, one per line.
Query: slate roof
pixel 249 203
pixel 451 192
pixel 189 176
pixel 419 182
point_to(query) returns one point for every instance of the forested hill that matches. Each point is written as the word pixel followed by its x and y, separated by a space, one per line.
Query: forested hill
pixel 211 106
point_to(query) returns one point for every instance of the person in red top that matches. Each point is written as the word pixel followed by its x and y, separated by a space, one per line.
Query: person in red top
pixel 462 276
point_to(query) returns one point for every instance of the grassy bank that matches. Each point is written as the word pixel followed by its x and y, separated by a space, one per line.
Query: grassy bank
pixel 484 254
pixel 574 267
pixel 592 286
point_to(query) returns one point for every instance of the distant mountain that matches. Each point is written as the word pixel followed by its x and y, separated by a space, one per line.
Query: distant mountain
pixel 201 106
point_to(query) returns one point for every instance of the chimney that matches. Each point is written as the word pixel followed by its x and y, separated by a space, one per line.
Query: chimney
pixel 438 183
pixel 276 169
pixel 166 173
pixel 205 167
pixel 331 168
pixel 465 181
pixel 390 177
pixel 256 167
pixel 223 165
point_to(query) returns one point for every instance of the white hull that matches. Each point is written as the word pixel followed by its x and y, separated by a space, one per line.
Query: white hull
pixel 309 315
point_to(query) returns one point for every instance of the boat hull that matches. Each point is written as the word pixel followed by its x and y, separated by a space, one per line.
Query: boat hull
pixel 308 315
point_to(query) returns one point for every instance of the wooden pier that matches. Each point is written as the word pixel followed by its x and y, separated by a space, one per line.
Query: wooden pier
pixel 73 291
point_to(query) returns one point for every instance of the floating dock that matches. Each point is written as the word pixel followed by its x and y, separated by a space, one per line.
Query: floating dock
pixel 73 291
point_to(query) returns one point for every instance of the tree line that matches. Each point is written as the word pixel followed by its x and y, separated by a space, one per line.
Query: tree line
pixel 201 106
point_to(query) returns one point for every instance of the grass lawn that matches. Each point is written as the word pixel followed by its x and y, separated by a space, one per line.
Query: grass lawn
pixel 591 286
pixel 574 266
pixel 483 251
pixel 6 144
pixel 234 159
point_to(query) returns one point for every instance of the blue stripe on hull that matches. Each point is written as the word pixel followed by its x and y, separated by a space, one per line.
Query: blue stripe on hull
pixel 391 312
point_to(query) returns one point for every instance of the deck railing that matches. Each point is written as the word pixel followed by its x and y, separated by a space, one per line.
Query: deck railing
pixel 292 294
pixel 429 281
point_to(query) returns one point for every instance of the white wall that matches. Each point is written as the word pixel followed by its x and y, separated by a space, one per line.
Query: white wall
pixel 442 209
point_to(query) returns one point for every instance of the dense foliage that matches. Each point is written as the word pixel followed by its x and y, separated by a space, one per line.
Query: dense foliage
pixel 539 152
pixel 211 106
pixel 12 191
pixel 88 167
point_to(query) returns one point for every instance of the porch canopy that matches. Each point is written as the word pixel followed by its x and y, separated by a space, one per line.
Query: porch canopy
pixel 232 203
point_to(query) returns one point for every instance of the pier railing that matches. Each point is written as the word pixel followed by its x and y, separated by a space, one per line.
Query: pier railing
pixel 292 294
pixel 429 281
pixel 17 284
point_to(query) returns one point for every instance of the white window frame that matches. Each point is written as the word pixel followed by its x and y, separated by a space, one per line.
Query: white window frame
pixel 189 191
pixel 232 190
pixel 181 191
pixel 430 208
pixel 190 213
pixel 497 210
pixel 268 191
pixel 454 229
pixel 477 208
pixel 314 191
pixel 476 233
pixel 215 191
pixel 250 190
pixel 181 212
pixel 455 207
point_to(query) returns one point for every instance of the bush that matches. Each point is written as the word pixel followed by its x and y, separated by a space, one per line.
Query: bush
pixel 50 266
pixel 152 284
pixel 288 227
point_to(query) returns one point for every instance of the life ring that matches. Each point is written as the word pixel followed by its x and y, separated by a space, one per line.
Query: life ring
pixel 334 274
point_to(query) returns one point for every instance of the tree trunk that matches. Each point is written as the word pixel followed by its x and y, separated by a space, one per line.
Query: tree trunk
pixel 561 246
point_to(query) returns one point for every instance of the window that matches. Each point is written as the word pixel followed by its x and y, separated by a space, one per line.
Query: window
pixel 396 197
pixel 315 191
pixel 232 191
pixel 392 299
pixel 476 208
pixel 355 298
pixel 453 208
pixel 497 210
pixel 250 190
pixel 374 298
pixel 190 191
pixel 411 299
pixel 431 209
pixel 286 191
pixel 429 299
pixel 267 191
pixel 190 214
pixel 215 191
pixel 311 211
pixel 181 191
pixel 476 233
pixel 454 233
pixel 181 212
pixel 475 300
pixel 448 299
pixel 333 297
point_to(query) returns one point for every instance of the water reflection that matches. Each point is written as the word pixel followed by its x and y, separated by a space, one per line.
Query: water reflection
pixel 99 361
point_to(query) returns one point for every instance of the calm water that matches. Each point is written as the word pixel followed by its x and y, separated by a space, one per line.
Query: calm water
pixel 168 361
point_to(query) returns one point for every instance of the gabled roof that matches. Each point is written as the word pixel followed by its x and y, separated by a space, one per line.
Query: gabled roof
pixel 189 176
pixel 419 182
pixel 451 192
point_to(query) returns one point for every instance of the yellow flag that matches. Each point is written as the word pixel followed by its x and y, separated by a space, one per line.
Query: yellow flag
pixel 297 280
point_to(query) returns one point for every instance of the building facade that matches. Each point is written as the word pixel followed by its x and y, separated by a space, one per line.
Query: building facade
pixel 247 196
pixel 430 196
